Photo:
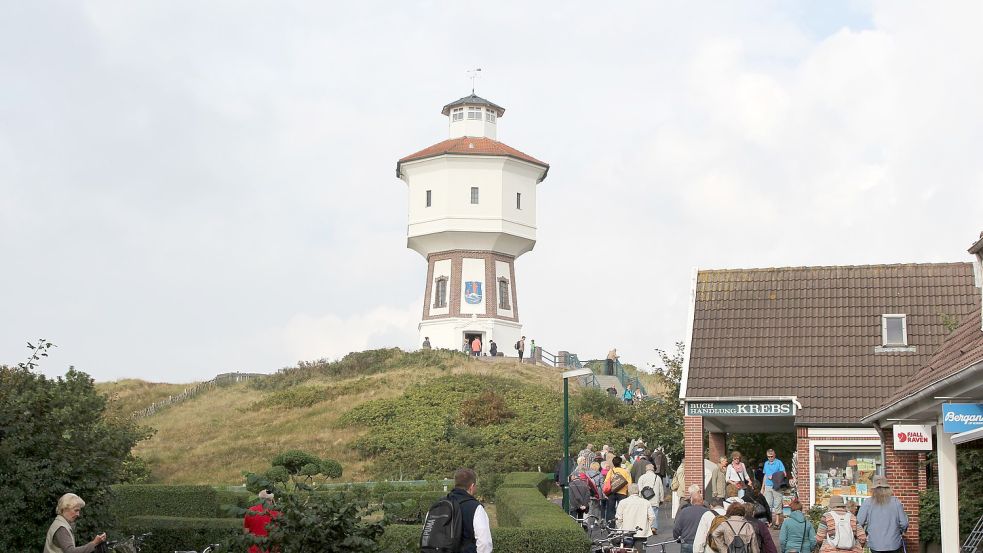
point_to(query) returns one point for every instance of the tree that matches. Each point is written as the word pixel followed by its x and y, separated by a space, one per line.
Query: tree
pixel 56 437
pixel 297 468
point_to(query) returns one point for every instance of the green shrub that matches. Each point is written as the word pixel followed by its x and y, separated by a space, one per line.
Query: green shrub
pixel 409 507
pixel 157 499
pixel 543 481
pixel 330 468
pixel 929 523
pixel 237 500
pixel 400 538
pixel 294 460
pixel 181 533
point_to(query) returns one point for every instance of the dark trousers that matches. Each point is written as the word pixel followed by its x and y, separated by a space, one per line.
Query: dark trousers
pixel 520 355
pixel 609 367
pixel 613 501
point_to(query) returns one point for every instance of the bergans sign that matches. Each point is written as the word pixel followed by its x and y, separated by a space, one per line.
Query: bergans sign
pixel 740 409
pixel 912 437
pixel 962 417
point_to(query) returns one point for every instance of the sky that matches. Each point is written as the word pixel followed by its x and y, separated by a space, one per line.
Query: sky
pixel 192 188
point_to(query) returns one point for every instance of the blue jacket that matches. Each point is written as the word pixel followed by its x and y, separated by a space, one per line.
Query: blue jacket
pixel 797 534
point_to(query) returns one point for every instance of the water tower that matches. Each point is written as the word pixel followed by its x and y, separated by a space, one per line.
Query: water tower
pixel 472 212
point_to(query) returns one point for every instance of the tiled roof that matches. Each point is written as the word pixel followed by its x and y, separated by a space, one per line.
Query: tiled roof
pixel 472 100
pixel 471 146
pixel 811 332
pixel 963 348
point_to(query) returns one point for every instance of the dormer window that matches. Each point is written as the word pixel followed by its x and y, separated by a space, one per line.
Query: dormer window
pixel 490 115
pixel 457 114
pixel 894 330
pixel 474 113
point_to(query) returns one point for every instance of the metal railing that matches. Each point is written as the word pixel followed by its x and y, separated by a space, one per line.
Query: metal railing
pixel 597 366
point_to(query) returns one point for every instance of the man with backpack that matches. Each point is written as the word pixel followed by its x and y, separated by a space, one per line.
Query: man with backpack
pixel 457 522
pixel 520 347
pixel 708 523
pixel 838 529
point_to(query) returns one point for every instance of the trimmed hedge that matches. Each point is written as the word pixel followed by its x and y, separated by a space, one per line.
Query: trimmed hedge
pixel 171 501
pixel 528 523
pixel 410 507
pixel 543 481
pixel 182 533
pixel 406 539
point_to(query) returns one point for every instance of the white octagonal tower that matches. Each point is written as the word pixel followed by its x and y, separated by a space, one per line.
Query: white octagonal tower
pixel 472 212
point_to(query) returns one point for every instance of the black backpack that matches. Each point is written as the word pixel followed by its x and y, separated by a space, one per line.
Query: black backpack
pixel 442 529
pixel 737 545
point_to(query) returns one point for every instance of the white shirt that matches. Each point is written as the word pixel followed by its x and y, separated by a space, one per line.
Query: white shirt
pixel 732 475
pixel 635 512
pixel 482 530
pixel 700 543
pixel 653 481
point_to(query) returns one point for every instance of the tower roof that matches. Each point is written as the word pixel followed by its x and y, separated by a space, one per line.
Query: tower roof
pixel 472 100
pixel 471 146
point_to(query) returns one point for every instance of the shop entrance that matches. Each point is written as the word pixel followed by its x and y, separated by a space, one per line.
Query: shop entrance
pixel 469 338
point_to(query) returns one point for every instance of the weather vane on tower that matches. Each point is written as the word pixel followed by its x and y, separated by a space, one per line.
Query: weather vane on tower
pixel 473 73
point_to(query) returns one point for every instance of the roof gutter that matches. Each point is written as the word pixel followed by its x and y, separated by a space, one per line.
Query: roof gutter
pixel 959 376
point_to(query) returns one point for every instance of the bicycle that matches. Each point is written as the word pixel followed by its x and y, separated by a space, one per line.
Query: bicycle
pixel 132 544
pixel 210 549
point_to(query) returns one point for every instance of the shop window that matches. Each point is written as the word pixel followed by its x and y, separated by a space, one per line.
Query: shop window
pixel 894 330
pixel 474 114
pixel 490 115
pixel 503 293
pixel 440 292
pixel 844 470
pixel 474 195
pixel 429 198
pixel 457 114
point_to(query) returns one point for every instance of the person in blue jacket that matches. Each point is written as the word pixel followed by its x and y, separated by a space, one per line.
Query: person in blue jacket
pixel 797 533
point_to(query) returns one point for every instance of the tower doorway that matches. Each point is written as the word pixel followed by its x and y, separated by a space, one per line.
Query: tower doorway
pixel 469 338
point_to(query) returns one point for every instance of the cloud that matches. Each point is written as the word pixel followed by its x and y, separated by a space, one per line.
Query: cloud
pixel 309 337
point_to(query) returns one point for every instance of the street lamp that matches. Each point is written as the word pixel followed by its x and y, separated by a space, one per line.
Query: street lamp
pixel 562 478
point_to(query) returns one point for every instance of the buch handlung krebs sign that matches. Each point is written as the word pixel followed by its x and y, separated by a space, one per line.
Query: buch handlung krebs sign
pixel 740 409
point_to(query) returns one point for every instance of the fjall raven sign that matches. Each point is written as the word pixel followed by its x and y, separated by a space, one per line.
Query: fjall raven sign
pixel 472 292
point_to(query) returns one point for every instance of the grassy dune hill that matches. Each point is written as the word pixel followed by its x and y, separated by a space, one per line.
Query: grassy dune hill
pixel 223 431
pixel 131 394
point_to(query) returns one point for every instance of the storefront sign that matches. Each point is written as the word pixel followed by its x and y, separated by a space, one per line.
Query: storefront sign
pixel 962 417
pixel 912 437
pixel 740 409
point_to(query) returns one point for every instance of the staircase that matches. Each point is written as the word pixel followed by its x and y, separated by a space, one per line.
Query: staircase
pixel 605 382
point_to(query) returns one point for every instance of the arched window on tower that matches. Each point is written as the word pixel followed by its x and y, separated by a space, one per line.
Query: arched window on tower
pixel 440 292
pixel 503 293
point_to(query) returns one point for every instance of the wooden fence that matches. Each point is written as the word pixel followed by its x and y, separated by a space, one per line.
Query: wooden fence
pixel 221 380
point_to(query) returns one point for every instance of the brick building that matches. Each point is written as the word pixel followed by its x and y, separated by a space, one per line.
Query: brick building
pixel 813 351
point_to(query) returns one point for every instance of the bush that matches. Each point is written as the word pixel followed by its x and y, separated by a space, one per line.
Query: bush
pixel 294 460
pixel 236 500
pixel 410 507
pixel 56 437
pixel 327 523
pixel 542 481
pixel 331 468
pixel 171 501
pixel 181 533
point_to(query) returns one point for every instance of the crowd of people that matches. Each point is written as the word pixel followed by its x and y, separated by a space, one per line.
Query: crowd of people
pixel 733 509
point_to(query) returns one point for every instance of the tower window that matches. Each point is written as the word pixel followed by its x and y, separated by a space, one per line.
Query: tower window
pixel 474 113
pixel 894 330
pixel 474 194
pixel 490 115
pixel 503 293
pixel 440 292
pixel 429 198
pixel 518 200
pixel 457 114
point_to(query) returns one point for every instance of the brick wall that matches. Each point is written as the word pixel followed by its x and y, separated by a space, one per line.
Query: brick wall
pixel 905 473
pixel 804 485
pixel 455 283
pixel 693 444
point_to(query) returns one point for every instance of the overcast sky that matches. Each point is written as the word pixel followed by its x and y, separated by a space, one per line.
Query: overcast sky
pixel 189 188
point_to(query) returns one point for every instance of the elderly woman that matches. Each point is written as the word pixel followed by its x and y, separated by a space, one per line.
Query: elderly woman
pixel 855 537
pixel 61 533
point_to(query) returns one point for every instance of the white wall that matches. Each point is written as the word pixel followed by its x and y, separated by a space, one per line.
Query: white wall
pixel 441 268
pixel 449 333
pixel 450 178
pixel 502 271
pixel 473 270
pixel 472 127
